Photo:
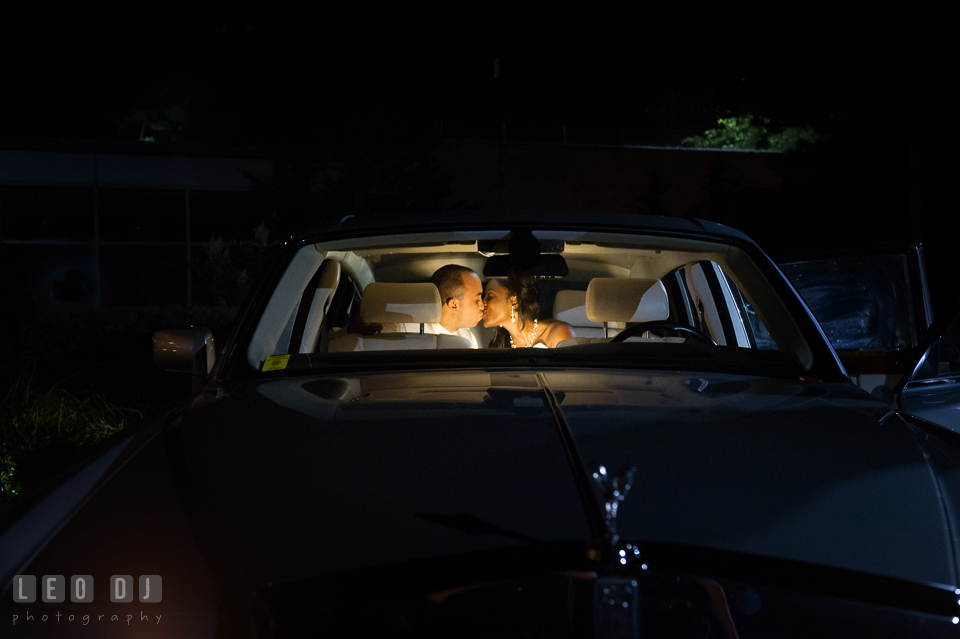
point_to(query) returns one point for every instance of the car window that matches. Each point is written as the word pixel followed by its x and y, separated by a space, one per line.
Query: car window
pixel 710 294
pixel 861 302
pixel 759 334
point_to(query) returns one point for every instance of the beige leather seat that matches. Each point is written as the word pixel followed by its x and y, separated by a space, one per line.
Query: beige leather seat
pixel 615 301
pixel 570 307
pixel 394 305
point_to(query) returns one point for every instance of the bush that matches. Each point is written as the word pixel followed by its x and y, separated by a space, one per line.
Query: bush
pixel 224 271
pixel 744 133
pixel 41 429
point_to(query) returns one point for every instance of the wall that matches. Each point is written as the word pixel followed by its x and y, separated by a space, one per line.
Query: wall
pixel 595 178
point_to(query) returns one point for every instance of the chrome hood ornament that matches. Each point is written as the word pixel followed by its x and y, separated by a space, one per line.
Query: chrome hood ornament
pixel 614 488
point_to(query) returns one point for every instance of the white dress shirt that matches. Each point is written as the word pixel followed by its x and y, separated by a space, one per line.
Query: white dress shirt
pixel 433 329
pixel 438 329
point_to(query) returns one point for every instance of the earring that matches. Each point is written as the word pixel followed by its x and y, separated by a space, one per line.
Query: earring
pixel 512 318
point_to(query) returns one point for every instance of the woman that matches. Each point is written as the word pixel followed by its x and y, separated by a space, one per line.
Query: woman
pixel 513 305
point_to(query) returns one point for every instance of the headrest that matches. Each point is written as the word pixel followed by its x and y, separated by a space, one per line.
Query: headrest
pixel 570 307
pixel 388 302
pixel 611 299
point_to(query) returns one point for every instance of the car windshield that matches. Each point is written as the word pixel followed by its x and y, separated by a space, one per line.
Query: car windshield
pixel 621 299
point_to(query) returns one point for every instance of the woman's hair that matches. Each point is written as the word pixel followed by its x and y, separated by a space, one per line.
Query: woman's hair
pixel 528 305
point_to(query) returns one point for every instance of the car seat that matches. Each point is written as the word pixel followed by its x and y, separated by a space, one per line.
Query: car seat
pixel 394 305
pixel 618 301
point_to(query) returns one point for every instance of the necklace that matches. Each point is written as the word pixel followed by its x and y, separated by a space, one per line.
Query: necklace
pixel 533 336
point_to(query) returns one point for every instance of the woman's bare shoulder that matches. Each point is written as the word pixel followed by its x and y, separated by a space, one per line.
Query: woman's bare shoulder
pixel 555 331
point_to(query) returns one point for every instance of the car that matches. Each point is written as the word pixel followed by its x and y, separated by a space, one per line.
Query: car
pixel 873 303
pixel 692 460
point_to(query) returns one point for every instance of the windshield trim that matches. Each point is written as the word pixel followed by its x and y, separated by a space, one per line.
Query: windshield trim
pixel 640 357
pixel 820 359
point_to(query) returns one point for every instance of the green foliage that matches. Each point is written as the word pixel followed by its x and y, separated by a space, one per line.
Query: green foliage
pixel 790 137
pixel 225 270
pixel 166 120
pixel 731 133
pixel 34 421
pixel 744 133
pixel 10 486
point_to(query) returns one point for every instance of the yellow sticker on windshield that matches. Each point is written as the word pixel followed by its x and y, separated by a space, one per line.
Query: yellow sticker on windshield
pixel 275 363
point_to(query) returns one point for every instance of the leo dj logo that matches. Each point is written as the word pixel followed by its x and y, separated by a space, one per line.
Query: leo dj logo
pixel 53 589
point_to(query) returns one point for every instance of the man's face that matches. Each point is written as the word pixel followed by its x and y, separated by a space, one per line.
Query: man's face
pixel 470 308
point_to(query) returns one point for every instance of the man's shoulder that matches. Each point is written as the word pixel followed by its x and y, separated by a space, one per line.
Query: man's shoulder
pixel 434 329
pixel 470 335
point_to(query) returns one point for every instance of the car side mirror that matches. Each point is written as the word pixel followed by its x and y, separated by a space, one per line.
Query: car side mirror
pixel 186 350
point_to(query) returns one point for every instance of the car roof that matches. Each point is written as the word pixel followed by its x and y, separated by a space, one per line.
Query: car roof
pixel 403 221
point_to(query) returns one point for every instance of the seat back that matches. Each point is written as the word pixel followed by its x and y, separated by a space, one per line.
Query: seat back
pixel 570 306
pixel 393 305
pixel 612 299
pixel 618 301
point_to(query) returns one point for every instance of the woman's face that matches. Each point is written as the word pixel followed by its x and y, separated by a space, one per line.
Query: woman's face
pixel 497 303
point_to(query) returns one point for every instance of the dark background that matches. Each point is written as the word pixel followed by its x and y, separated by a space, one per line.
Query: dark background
pixel 374 91
pixel 880 83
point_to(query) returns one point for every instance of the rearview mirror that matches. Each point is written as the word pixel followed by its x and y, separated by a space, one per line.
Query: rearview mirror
pixel 548 265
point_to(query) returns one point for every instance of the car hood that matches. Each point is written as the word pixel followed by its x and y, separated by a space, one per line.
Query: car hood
pixel 378 469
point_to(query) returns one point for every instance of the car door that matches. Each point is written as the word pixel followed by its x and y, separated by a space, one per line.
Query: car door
pixel 931 387
pixel 873 303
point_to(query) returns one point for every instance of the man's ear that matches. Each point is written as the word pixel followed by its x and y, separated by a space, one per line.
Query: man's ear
pixel 453 303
